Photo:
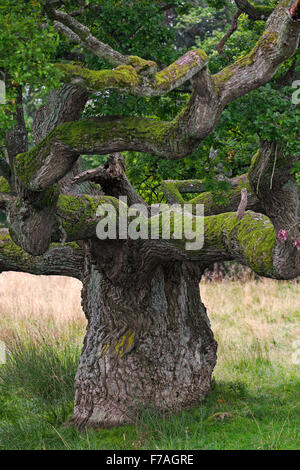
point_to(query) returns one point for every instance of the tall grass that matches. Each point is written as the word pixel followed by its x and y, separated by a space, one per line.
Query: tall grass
pixel 254 402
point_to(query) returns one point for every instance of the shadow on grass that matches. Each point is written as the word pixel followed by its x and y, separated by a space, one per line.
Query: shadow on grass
pixel 258 409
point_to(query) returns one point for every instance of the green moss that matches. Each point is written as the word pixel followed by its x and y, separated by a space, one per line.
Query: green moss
pixel 122 346
pixel 18 203
pixel 206 199
pixel 47 198
pixel 171 191
pixel 78 213
pixel 213 229
pixel 266 42
pixel 26 164
pixel 92 132
pixel 141 65
pixel 254 234
pixel 122 77
pixel 179 69
pixel 219 79
pixel 126 76
pixel 14 253
pixel 254 161
pixel 4 186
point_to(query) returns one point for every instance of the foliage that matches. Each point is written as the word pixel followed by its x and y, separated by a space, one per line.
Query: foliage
pixel 26 50
pixel 25 45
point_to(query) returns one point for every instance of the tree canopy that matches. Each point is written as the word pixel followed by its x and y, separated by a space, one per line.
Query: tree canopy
pixel 159 31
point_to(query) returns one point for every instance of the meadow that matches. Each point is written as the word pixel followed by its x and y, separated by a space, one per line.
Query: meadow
pixel 255 398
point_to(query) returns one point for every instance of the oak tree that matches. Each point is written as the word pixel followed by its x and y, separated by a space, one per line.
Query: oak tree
pixel 148 339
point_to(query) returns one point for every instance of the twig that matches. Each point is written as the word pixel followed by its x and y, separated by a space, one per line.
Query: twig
pixel 230 31
pixel 275 159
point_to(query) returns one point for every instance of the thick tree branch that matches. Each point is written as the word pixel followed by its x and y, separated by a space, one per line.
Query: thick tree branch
pixel 31 214
pixel 56 154
pixel 63 105
pixel 67 260
pixel 255 13
pixel 138 76
pixel 251 240
pixel 80 34
pixel 173 190
pixel 278 42
pixel 113 179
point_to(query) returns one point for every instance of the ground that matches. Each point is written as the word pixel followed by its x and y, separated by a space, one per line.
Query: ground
pixel 254 403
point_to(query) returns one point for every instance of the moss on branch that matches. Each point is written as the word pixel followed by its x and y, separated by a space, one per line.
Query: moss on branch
pixel 47 198
pixel 26 164
pixel 92 133
pixel 124 77
pixel 137 75
pixel 4 186
pixel 78 214
pixel 14 258
pixel 54 156
pixel 171 192
pixel 181 68
pixel 141 65
pixel 252 239
pixel 267 41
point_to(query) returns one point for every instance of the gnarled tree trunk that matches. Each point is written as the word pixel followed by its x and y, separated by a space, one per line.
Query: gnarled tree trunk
pixel 147 343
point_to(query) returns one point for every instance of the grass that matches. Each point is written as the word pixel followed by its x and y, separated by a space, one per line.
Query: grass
pixel 255 398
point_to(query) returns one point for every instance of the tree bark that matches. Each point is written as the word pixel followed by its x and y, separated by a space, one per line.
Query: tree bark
pixel 148 344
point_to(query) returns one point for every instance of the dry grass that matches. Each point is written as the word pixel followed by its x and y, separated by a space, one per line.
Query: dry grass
pixel 247 318
pixel 256 318
pixel 35 305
